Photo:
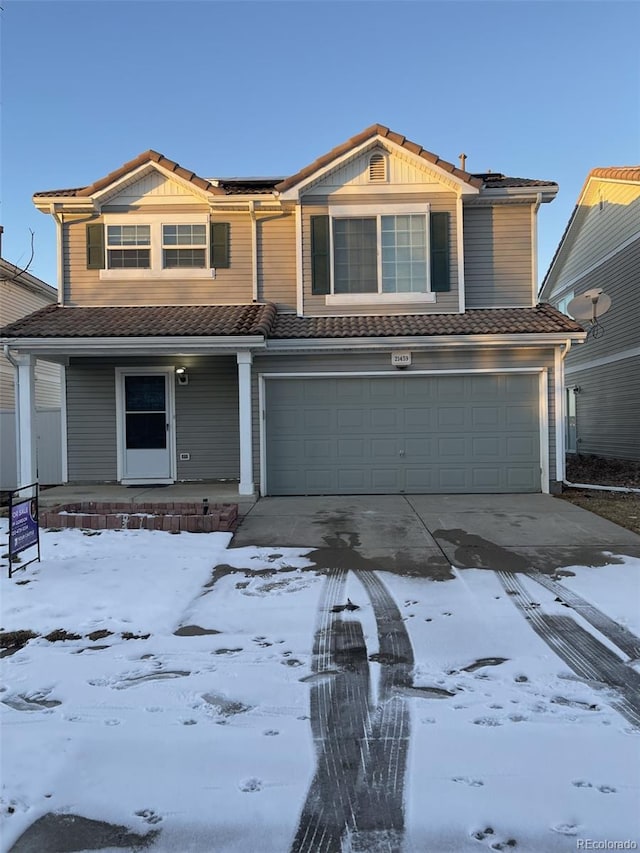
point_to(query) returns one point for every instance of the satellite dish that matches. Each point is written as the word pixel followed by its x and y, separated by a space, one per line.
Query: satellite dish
pixel 588 306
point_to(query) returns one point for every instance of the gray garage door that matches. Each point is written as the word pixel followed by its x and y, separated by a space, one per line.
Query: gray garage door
pixel 413 434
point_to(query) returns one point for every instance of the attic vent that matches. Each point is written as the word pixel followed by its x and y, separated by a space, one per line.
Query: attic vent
pixel 377 168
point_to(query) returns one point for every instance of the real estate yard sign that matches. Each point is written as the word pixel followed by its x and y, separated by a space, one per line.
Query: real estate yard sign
pixel 24 532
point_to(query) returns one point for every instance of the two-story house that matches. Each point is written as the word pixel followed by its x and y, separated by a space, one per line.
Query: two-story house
pixel 600 251
pixel 368 324
pixel 22 293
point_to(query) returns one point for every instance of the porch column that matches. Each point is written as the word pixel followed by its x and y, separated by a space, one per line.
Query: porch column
pixel 26 435
pixel 246 486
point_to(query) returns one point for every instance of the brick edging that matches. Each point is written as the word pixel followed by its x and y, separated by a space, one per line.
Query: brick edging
pixel 174 517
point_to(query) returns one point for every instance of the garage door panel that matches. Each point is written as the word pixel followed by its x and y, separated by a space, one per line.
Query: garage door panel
pixel 487 446
pixel 384 419
pixel 522 447
pixel 450 416
pixel 351 448
pixel 420 434
pixel 452 478
pixel 385 480
pixel 452 447
pixel 350 419
pixel 521 416
pixel 385 448
pixel 316 450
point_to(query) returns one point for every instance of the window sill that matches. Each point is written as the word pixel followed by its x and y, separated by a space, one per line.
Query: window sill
pixel 177 273
pixel 378 298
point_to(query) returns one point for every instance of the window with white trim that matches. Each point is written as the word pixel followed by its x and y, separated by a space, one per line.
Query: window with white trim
pixel 128 246
pixel 157 246
pixel 380 254
pixel 359 253
pixel 184 246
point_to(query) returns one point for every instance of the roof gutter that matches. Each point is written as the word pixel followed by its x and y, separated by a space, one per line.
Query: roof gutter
pixel 419 342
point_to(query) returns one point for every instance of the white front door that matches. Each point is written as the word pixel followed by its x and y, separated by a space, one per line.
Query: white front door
pixel 146 443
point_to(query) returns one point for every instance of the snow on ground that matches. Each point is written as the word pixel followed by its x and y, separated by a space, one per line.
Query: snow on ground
pixel 206 735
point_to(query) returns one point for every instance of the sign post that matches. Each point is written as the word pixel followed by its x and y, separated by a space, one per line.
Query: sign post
pixel 24 531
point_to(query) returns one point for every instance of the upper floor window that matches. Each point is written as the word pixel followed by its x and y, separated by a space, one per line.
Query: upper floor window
pixel 157 248
pixel 184 246
pixel 125 246
pixel 395 256
pixel 381 254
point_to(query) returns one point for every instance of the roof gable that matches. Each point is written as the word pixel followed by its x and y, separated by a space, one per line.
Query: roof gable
pixel 609 200
pixel 376 134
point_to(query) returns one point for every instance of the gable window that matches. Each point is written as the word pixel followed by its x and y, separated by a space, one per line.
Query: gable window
pixel 184 246
pixel 400 256
pixel 128 246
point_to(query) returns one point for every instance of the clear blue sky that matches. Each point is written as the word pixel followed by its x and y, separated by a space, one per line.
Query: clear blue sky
pixel 533 89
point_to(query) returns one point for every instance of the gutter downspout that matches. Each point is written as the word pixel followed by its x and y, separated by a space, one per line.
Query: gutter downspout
pixel 571 485
pixel 534 246
pixel 254 251
pixel 59 220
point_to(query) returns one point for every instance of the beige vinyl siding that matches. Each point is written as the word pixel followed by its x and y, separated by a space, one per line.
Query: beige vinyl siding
pixel 17 301
pixel 277 260
pixel 206 418
pixel 231 286
pixel 445 302
pixel 608 409
pixel 498 256
pixel 601 230
pixel 450 359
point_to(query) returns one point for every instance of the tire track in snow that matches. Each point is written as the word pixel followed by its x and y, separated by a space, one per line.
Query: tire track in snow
pixel 590 659
pixel 620 636
pixel 356 797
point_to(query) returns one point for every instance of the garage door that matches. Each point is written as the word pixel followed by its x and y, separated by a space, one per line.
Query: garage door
pixel 402 434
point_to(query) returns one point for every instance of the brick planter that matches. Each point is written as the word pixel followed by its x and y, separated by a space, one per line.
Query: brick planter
pixel 172 517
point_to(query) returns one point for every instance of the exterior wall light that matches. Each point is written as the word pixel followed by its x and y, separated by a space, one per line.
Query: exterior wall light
pixel 182 376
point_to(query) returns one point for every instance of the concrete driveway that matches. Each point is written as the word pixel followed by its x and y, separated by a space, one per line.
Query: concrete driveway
pixel 425 535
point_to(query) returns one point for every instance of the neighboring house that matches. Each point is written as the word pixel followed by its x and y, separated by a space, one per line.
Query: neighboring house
pixel 366 325
pixel 600 249
pixel 21 294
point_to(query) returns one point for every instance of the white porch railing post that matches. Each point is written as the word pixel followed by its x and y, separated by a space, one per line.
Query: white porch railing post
pixel 246 486
pixel 26 435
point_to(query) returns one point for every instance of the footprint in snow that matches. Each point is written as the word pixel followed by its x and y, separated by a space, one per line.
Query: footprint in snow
pixel 249 786
pixel 149 816
pixel 466 780
pixel 565 828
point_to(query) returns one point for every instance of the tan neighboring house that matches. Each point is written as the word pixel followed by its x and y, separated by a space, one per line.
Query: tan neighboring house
pixel 21 294
pixel 368 324
pixel 600 249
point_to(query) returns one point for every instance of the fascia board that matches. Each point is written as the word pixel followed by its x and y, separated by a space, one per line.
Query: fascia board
pixel 528 193
pixel 135 346
pixel 422 342
pixel 294 193
pixel 64 204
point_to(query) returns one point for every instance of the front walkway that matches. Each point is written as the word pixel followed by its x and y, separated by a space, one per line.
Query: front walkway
pixel 215 493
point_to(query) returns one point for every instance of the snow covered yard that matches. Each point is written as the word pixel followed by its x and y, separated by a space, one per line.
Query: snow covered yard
pixel 204 735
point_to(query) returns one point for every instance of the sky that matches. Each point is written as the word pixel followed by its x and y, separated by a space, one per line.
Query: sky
pixel 211 737
pixel 545 90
